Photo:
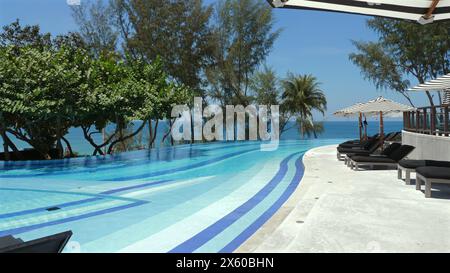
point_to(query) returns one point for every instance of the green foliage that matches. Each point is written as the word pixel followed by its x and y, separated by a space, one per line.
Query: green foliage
pixel 244 37
pixel 36 93
pixel 16 35
pixel 265 87
pixel 403 51
pixel 302 94
pixel 176 31
pixel 97 26
pixel 121 92
pixel 45 90
pixel 309 128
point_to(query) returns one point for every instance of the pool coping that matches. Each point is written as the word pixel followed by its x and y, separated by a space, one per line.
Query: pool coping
pixel 268 228
pixel 338 210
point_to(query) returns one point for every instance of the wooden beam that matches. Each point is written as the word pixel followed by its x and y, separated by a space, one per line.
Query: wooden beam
pixel 381 126
pixel 417 121
pixel 431 9
pixel 425 124
pixel 446 120
pixel 433 121
pixel 360 127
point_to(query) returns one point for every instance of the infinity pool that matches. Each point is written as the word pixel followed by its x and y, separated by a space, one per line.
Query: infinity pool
pixel 198 198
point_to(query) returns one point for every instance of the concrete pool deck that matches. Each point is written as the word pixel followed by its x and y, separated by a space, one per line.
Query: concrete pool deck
pixel 336 209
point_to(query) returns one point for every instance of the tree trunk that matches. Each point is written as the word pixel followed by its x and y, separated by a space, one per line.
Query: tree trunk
pixel 5 149
pixel 111 146
pixel 5 143
pixel 59 147
pixel 408 98
pixel 97 148
pixel 168 133
pixel 150 134
pixel 152 141
pixel 69 147
pixel 430 98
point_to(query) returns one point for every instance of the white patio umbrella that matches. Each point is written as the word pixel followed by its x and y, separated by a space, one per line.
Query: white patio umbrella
pixel 423 11
pixel 353 111
pixel 378 107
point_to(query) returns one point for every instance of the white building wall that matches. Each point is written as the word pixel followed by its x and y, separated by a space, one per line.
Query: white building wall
pixel 427 147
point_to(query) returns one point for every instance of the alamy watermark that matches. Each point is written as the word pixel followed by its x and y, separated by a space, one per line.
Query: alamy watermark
pixel 73 2
pixel 209 124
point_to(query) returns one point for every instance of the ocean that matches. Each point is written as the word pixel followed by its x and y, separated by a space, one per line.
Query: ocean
pixel 333 130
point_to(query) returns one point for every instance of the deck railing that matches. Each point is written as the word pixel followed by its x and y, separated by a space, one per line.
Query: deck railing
pixel 432 120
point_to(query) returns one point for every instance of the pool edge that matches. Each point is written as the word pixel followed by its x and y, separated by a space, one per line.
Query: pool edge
pixel 270 226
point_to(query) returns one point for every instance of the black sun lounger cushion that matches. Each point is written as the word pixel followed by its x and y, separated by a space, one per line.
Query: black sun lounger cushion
pixel 361 145
pixel 434 172
pixel 394 157
pixel 414 164
pixel 391 148
pixel 359 142
pixel 9 241
pixel 386 152
pixel 51 244
pixel 375 159
pixel 392 136
pixel 353 151
pixel 370 149
pixel 401 152
pixel 366 144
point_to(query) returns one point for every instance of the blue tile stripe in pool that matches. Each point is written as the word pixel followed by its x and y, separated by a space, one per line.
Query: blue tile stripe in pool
pixel 19 230
pixel 41 209
pixel 210 232
pixel 74 203
pixel 176 190
pixel 100 196
pixel 250 230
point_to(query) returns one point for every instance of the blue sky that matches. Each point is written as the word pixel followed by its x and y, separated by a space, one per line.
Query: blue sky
pixel 312 42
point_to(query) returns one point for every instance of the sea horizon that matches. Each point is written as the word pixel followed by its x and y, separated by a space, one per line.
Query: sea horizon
pixel 339 129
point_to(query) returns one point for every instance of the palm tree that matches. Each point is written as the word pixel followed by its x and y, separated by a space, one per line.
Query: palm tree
pixel 301 96
pixel 310 128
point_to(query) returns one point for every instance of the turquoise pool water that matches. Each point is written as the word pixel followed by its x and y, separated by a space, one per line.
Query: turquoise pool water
pixel 194 198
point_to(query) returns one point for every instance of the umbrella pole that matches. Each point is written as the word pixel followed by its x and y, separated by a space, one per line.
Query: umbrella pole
pixel 365 129
pixel 381 126
pixel 360 127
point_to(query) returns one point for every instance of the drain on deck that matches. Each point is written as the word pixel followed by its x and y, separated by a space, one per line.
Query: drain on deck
pixel 53 209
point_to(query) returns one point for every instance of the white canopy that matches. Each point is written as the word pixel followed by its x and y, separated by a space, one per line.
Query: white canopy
pixel 439 84
pixel 379 106
pixel 374 107
pixel 423 11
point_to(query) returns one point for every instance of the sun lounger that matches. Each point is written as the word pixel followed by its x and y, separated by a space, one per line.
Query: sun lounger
pixel 410 166
pixel 361 145
pixel 430 175
pixel 385 153
pixel 386 161
pixel 392 137
pixel 51 244
pixel 364 144
pixel 369 149
pixel 358 142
